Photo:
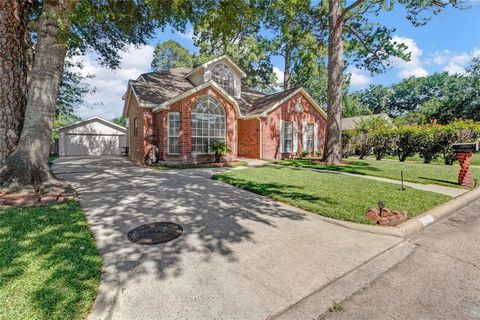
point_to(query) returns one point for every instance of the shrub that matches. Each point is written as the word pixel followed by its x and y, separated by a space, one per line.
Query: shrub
pixel 220 150
pixel 407 141
pixel 348 147
pixel 363 143
pixel 384 142
pixel 428 145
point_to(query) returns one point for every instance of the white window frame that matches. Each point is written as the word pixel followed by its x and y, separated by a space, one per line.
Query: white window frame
pixel 309 138
pixel 228 81
pixel 205 102
pixel 176 134
pixel 284 141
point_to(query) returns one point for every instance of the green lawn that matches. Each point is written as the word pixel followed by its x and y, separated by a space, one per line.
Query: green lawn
pixel 412 171
pixel 330 194
pixel 49 264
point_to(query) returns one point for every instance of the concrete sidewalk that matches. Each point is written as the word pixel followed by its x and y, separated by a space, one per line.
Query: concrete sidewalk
pixel 241 256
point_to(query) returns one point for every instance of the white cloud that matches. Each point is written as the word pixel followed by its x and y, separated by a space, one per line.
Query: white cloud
pixel 358 78
pixel 453 63
pixel 110 85
pixel 279 75
pixel 188 34
pixel 454 68
pixel 412 68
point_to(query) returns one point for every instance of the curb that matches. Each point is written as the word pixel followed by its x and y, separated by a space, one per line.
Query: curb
pixel 423 221
pixel 316 304
pixel 417 224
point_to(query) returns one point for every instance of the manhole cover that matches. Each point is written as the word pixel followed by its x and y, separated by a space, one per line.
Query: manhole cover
pixel 154 233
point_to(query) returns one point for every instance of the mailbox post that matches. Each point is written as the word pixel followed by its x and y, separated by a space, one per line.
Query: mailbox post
pixel 464 152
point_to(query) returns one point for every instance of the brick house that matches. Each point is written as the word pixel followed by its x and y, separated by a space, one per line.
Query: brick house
pixel 183 111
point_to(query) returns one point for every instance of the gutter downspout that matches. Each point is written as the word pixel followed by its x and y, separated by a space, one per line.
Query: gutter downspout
pixel 261 137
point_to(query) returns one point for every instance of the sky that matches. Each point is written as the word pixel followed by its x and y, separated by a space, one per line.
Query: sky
pixel 446 43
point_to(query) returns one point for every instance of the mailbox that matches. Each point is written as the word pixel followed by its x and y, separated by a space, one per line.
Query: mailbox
pixel 465 147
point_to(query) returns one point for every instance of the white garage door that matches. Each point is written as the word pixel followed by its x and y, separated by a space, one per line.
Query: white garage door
pixel 77 144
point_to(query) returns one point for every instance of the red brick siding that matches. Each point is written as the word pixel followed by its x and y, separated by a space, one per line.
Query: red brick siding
pixel 286 111
pixel 140 143
pixel 248 138
pixel 184 107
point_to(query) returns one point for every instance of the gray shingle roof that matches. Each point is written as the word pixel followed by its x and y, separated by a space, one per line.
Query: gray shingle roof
pixel 353 122
pixel 155 88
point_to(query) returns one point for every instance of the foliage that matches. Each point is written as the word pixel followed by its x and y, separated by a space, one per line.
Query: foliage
pixel 348 145
pixel 441 98
pixel 220 149
pixel 428 144
pixel 49 266
pixel 121 121
pixel 319 192
pixel 407 141
pixel 383 142
pixel 170 54
pixel 353 107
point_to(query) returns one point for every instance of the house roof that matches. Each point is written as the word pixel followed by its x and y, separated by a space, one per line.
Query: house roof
pixel 158 90
pixel 92 119
pixel 224 58
pixel 353 122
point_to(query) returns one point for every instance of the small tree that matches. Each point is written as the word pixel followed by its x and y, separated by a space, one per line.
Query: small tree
pixel 428 145
pixel 384 142
pixel 407 141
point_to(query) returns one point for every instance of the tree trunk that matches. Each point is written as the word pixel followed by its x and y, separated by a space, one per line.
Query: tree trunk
pixel 27 167
pixel 333 146
pixel 13 72
pixel 287 70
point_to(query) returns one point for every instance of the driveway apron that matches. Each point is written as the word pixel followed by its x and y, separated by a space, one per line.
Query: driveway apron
pixel 241 256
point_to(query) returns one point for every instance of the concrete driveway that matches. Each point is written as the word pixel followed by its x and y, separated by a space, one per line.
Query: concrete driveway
pixel 241 256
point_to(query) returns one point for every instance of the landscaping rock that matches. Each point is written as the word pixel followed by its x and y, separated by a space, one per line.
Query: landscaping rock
pixel 47 199
pixel 387 217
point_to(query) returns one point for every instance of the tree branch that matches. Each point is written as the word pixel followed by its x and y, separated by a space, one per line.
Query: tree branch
pixel 359 37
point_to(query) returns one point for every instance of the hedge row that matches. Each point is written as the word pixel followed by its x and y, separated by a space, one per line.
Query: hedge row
pixel 429 141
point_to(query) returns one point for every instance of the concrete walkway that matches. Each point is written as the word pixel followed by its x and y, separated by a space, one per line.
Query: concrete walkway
pixel 241 256
pixel 439 280
pixel 448 191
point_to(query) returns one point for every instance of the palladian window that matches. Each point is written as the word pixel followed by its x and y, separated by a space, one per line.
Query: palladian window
pixel 208 123
pixel 224 77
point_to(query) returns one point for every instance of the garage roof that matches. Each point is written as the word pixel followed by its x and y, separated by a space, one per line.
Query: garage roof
pixel 89 120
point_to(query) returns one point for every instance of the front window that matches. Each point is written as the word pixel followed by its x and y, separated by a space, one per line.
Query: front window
pixel 308 137
pixel 208 124
pixel 173 132
pixel 287 136
pixel 224 77
pixel 135 127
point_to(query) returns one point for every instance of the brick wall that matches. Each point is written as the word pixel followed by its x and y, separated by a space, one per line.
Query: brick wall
pixel 184 107
pixel 286 111
pixel 248 138
pixel 141 142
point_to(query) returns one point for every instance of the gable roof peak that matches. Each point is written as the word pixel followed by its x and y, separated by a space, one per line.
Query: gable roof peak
pixel 223 58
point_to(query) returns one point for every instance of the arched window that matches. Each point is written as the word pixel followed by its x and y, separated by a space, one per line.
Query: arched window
pixel 208 123
pixel 224 77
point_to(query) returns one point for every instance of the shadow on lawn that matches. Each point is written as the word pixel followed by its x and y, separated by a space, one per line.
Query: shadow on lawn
pixel 274 190
pixel 49 251
pixel 357 167
pixel 432 180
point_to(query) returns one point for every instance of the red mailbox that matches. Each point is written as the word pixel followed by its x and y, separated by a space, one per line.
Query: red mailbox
pixel 464 152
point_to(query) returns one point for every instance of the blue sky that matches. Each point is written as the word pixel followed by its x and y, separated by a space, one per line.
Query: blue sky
pixel 446 43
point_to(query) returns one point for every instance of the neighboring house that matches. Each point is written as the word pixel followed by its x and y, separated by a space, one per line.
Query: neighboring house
pixel 91 137
pixel 183 112
pixel 353 122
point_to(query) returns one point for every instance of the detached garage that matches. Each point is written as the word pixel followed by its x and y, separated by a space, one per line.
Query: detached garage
pixel 92 137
